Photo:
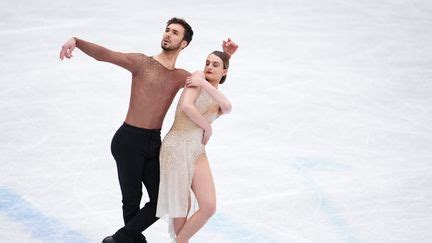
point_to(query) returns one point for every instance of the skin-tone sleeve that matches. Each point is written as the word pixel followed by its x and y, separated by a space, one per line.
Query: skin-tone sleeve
pixel 129 61
pixel 188 107
pixel 223 102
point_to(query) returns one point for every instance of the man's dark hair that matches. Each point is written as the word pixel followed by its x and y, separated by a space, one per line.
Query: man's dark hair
pixel 188 29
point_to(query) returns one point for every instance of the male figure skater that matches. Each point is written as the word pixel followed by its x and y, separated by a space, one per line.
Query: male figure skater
pixel 136 144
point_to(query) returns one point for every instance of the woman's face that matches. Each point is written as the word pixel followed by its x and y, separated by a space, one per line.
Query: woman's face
pixel 214 69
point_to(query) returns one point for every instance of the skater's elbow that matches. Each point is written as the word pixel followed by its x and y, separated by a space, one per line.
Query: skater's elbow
pixel 226 107
pixel 187 108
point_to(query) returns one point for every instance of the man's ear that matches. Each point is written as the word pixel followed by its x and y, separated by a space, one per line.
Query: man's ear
pixel 183 44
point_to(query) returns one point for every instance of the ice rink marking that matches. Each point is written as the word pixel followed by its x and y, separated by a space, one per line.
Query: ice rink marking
pixel 35 222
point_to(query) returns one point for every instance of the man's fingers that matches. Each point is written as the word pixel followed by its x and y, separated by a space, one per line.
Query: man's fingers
pixel 72 48
pixel 66 51
pixel 62 53
pixel 69 53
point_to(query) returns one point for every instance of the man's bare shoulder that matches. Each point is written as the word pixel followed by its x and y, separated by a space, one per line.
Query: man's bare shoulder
pixel 181 76
pixel 182 72
pixel 146 61
pixel 139 55
pixel 134 57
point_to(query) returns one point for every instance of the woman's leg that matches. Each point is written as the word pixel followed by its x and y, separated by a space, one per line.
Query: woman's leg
pixel 179 222
pixel 204 189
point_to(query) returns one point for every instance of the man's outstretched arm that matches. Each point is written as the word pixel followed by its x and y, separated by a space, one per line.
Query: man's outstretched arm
pixel 129 61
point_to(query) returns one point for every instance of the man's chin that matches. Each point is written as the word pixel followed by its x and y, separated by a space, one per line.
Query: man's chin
pixel 167 48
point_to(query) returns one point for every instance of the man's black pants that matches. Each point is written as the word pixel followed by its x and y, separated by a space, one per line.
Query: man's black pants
pixel 136 152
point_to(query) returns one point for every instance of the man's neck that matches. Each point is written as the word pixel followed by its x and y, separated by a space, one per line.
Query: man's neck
pixel 167 58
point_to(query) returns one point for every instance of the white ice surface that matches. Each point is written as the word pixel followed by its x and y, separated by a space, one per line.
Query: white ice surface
pixel 330 138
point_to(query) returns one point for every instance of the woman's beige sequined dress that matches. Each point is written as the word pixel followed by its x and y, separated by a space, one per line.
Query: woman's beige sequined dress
pixel 180 149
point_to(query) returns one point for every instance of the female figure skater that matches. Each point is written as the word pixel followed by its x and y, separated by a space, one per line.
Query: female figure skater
pixel 183 161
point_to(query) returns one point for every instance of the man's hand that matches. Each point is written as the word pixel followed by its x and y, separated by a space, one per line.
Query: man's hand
pixel 67 48
pixel 195 80
pixel 229 47
pixel 192 82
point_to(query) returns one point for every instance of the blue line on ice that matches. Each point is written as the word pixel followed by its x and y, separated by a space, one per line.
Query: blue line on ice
pixel 304 165
pixel 36 223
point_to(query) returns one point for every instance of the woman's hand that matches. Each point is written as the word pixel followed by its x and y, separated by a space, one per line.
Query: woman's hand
pixel 206 134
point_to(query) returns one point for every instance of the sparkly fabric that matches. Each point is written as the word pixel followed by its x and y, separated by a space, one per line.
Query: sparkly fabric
pixel 180 149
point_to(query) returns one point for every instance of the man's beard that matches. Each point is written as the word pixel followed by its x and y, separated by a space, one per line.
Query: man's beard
pixel 170 48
